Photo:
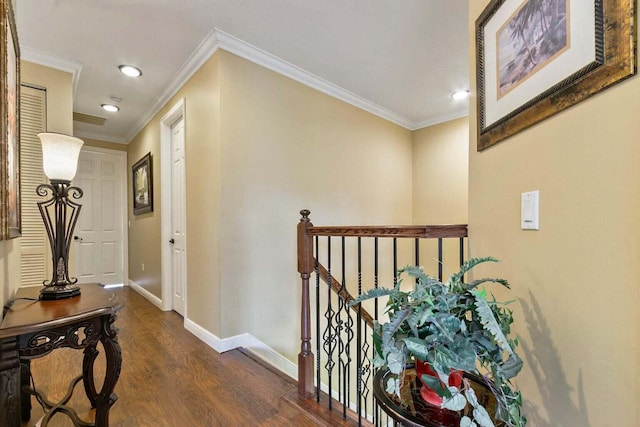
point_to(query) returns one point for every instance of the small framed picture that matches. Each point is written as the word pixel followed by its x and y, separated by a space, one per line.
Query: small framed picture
pixel 142 185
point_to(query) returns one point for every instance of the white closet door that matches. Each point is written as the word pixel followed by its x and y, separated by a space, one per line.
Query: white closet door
pixel 35 253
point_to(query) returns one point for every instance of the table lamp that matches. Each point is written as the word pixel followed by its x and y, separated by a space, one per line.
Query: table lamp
pixel 59 213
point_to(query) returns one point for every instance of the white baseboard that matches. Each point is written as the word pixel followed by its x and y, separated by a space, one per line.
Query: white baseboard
pixel 257 348
pixel 246 341
pixel 148 295
pixel 272 357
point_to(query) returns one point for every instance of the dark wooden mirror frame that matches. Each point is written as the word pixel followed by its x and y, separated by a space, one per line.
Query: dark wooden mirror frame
pixel 10 210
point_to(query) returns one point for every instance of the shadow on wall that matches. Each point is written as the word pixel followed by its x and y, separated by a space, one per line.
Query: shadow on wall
pixel 544 362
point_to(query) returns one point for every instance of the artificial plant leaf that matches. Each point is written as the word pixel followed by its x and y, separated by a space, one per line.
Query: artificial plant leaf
pixel 511 366
pixel 395 361
pixel 416 272
pixel 445 323
pixel 465 354
pixel 450 323
pixel 372 293
pixel 417 348
pixel 393 386
pixel 467 266
pixel 466 422
pixel 456 402
pixel 377 338
pixel 482 417
pixel 471 396
pixel 489 322
pixel 479 282
pixel 424 316
pixel 449 358
pixel 396 321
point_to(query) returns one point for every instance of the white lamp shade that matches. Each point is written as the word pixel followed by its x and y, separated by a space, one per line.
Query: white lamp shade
pixel 60 155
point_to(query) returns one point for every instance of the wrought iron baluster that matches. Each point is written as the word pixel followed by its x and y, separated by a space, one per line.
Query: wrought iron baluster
pixel 318 353
pixel 395 261
pixel 359 344
pixel 346 337
pixel 340 327
pixel 328 336
pixel 376 409
pixel 440 259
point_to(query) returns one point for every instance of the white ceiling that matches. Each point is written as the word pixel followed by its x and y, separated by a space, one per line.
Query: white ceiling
pixel 399 59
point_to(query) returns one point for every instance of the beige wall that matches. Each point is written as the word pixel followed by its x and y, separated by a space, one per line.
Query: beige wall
pixel 286 147
pixel 201 96
pixel 577 277
pixel 203 164
pixel 9 268
pixel 440 186
pixel 259 148
pixel 441 173
pixel 59 119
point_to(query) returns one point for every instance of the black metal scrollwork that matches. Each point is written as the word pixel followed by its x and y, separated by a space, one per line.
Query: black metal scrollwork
pixel 42 343
pixel 60 215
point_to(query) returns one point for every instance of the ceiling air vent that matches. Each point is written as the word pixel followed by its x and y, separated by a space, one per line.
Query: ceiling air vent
pixel 86 118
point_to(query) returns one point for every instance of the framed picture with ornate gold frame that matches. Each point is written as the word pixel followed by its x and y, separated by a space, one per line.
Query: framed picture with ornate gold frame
pixel 10 212
pixel 534 58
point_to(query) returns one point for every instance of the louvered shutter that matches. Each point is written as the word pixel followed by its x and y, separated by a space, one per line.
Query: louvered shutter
pixel 33 244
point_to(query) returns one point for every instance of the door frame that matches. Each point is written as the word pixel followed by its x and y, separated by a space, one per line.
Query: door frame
pixel 122 155
pixel 176 113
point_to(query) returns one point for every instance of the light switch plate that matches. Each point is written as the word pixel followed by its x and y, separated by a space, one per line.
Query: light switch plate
pixel 530 211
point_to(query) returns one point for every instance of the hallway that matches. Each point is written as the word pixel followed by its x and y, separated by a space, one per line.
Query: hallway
pixel 170 378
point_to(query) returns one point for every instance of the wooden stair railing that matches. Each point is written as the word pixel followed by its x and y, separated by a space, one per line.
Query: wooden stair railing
pixel 336 344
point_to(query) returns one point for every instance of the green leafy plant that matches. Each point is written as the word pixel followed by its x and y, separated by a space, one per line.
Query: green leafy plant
pixel 451 325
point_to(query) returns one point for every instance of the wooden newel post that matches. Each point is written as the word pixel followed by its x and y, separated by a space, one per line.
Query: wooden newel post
pixel 305 268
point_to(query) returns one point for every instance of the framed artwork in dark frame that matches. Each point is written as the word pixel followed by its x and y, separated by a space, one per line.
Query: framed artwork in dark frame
pixel 535 58
pixel 142 180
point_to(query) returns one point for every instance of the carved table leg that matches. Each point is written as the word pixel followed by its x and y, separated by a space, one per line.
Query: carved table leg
pixel 90 355
pixel 9 383
pixel 113 355
pixel 25 398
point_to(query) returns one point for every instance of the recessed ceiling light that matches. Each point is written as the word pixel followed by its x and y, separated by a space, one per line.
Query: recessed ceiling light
pixel 130 70
pixel 460 95
pixel 110 107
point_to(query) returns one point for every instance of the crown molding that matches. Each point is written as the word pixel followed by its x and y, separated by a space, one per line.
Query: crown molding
pixel 207 47
pixel 218 39
pixel 41 58
pixel 265 59
pixel 439 119
pixel 101 137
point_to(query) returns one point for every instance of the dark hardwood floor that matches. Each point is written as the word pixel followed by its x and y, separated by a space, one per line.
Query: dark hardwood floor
pixel 170 378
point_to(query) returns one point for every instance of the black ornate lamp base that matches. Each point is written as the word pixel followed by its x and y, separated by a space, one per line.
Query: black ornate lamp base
pixel 59 292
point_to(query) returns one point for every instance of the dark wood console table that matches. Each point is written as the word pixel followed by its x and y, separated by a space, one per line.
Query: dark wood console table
pixel 33 329
pixel 413 411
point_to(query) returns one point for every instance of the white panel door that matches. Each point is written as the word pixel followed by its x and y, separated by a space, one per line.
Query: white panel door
pixel 99 243
pixel 178 234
